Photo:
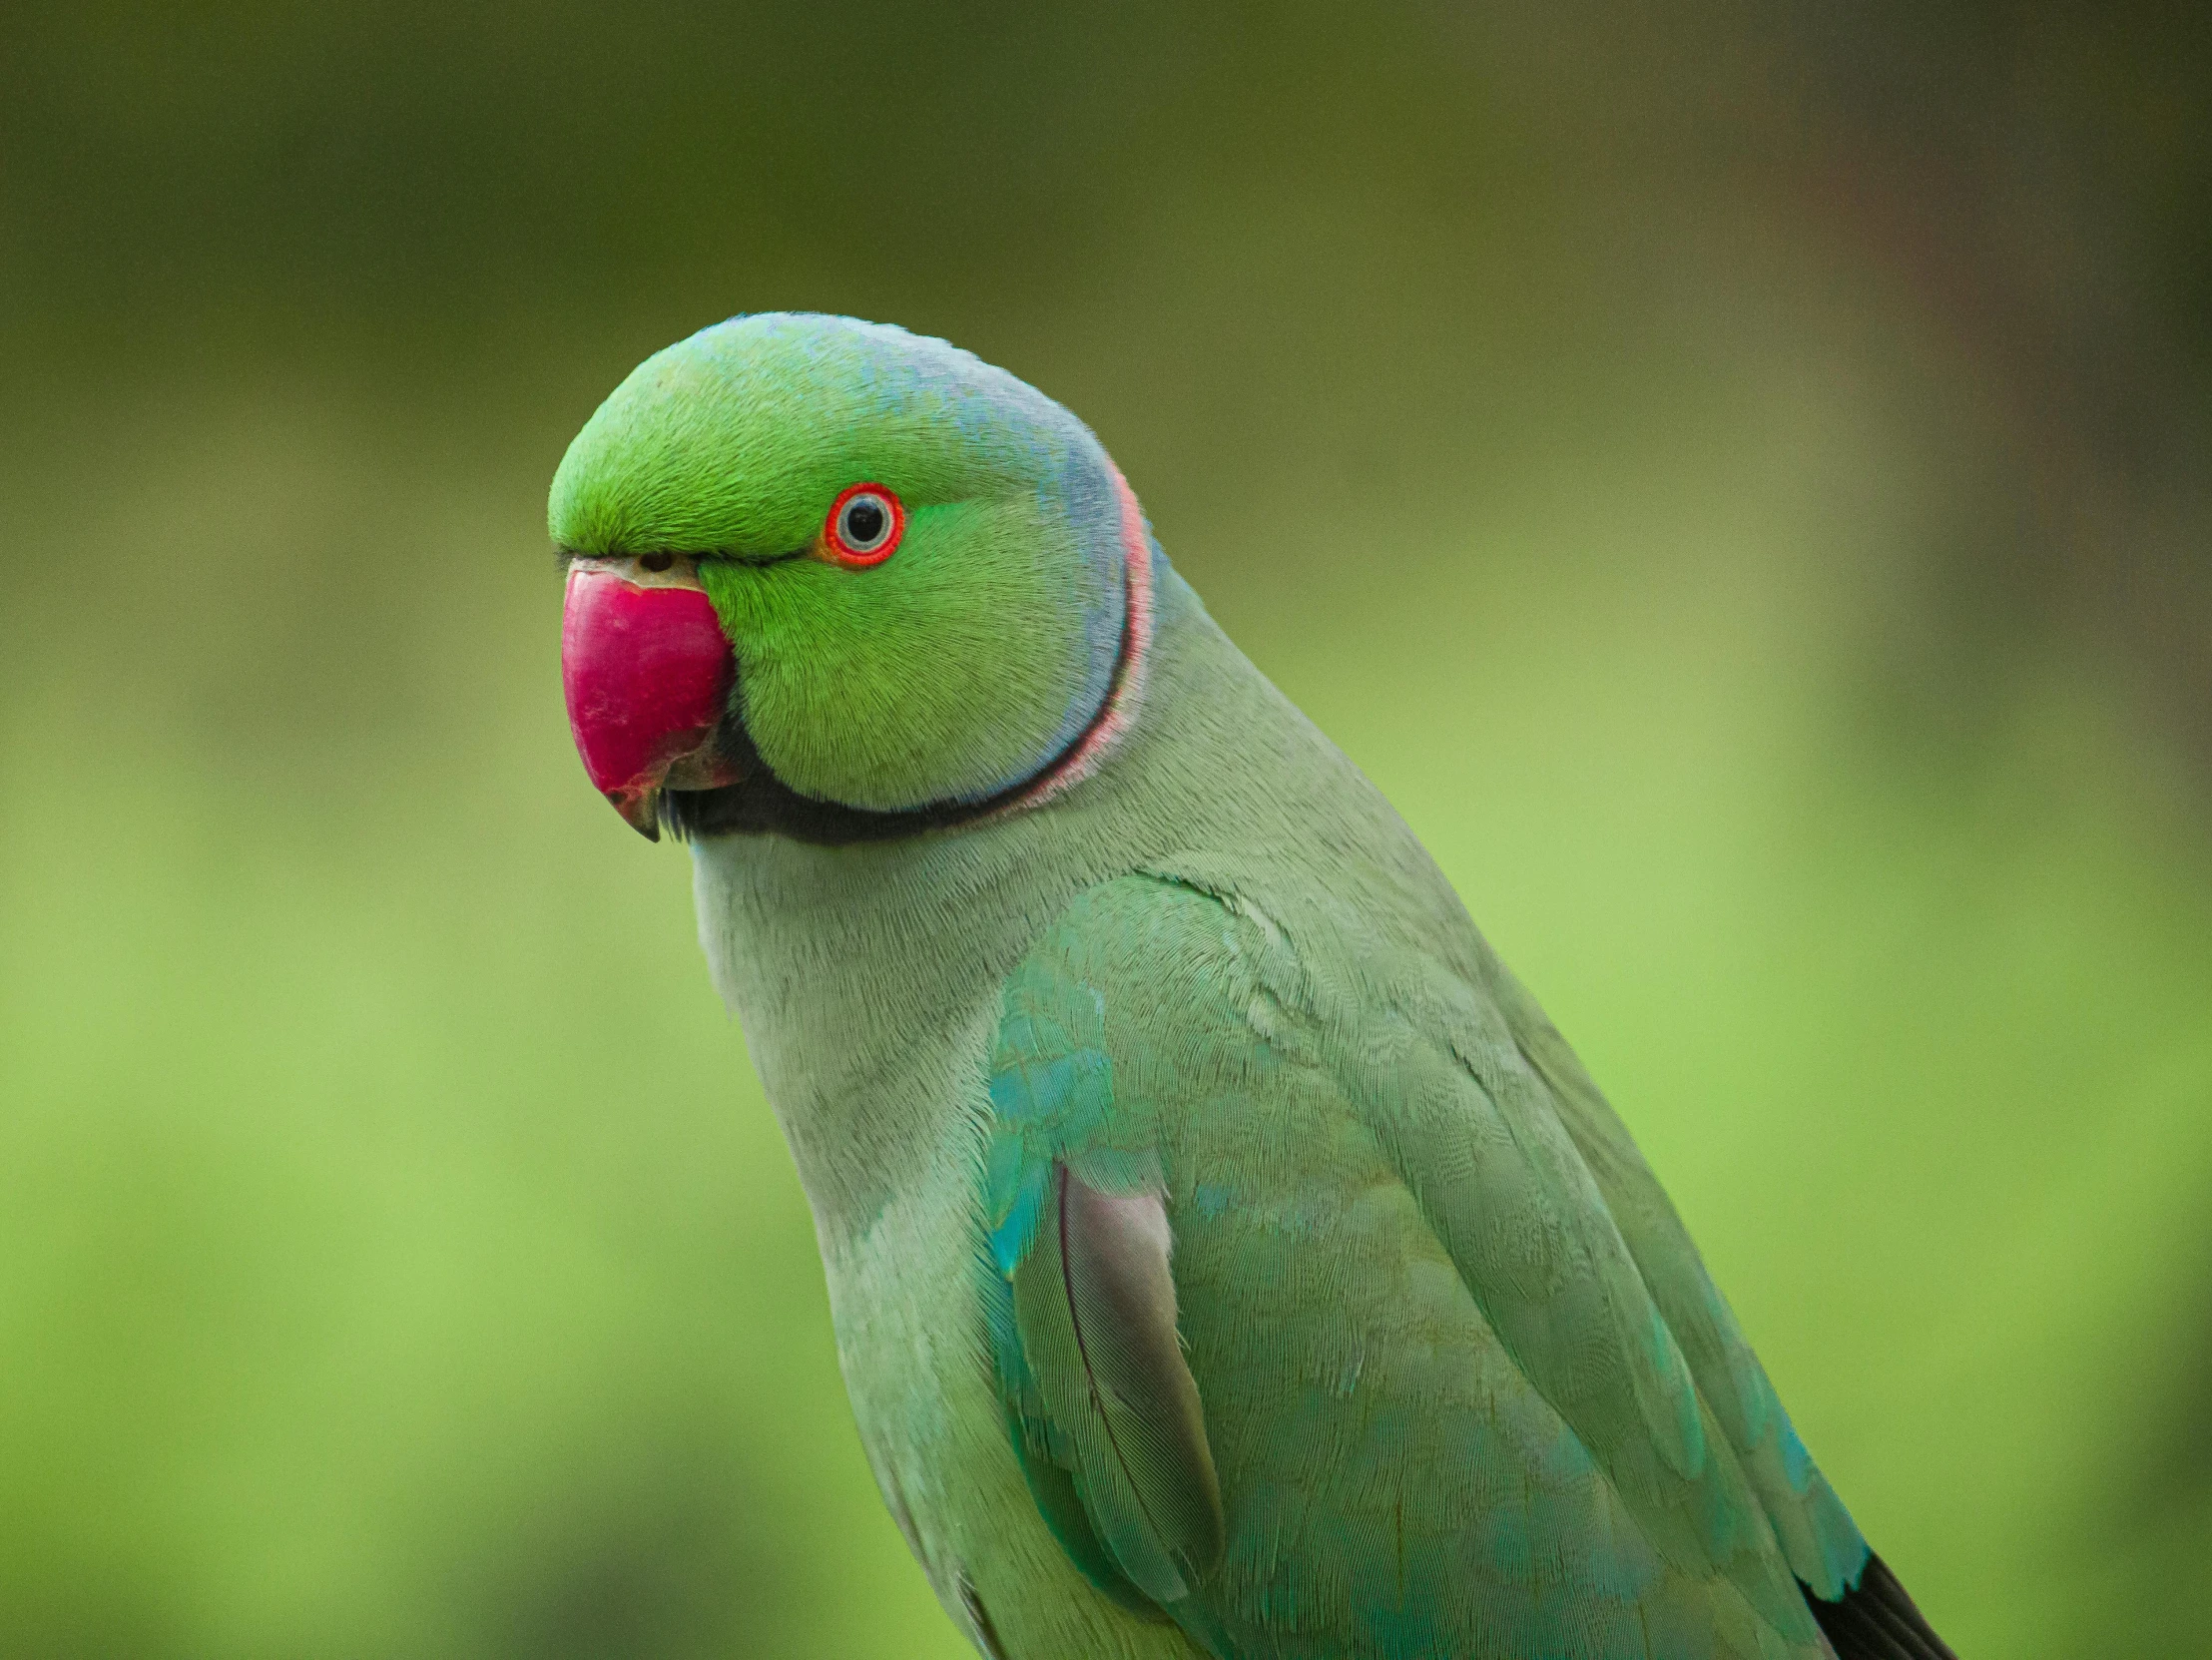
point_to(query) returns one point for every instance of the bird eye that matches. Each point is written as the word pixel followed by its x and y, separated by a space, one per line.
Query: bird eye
pixel 866 523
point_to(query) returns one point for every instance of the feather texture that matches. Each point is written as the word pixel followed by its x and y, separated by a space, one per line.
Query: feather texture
pixel 1449 1416
pixel 1875 1620
pixel 1095 1307
pixel 1227 1256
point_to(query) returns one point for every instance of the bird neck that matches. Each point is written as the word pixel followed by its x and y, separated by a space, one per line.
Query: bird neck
pixel 867 976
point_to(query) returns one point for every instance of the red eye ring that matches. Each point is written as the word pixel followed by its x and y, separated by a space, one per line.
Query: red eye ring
pixel 864 526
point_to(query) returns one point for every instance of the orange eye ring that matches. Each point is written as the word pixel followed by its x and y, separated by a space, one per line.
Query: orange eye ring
pixel 864 526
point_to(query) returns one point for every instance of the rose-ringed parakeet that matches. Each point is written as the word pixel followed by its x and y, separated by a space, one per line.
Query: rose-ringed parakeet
pixel 1227 1256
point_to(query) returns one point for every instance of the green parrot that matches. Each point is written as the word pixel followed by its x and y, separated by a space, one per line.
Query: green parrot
pixel 1227 1256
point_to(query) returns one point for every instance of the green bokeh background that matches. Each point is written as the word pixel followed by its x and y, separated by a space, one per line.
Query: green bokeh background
pixel 1736 478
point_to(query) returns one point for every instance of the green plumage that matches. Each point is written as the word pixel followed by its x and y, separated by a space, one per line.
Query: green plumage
pixel 1432 1370
pixel 1227 1256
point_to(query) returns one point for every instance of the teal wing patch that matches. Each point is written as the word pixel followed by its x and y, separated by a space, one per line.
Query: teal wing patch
pixel 1105 1415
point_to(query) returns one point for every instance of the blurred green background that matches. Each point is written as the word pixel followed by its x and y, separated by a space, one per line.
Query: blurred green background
pixel 1739 478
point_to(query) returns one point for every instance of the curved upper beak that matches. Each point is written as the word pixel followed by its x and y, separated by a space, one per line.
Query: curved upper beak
pixel 647 673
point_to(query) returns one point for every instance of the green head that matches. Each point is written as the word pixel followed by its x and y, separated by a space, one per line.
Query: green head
pixel 949 637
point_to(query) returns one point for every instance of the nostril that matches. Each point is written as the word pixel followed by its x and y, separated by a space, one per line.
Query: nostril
pixel 657 562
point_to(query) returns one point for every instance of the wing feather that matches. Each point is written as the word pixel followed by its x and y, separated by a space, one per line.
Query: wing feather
pixel 1331 1315
pixel 1095 1306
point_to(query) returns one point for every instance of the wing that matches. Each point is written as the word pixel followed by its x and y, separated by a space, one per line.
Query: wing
pixel 1318 1331
pixel 1856 1602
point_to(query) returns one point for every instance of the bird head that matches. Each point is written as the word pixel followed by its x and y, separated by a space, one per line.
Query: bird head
pixel 834 578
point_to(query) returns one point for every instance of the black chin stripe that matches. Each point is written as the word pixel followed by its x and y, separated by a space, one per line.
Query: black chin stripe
pixel 763 805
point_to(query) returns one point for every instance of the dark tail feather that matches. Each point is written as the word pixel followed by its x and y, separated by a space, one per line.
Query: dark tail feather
pixel 1875 1620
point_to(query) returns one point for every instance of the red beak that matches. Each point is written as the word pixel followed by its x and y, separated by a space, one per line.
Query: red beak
pixel 648 674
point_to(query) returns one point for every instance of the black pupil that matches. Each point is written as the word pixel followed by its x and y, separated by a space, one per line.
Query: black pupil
pixel 865 521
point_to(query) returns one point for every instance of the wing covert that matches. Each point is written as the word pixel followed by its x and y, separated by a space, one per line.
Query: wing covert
pixel 1105 1415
